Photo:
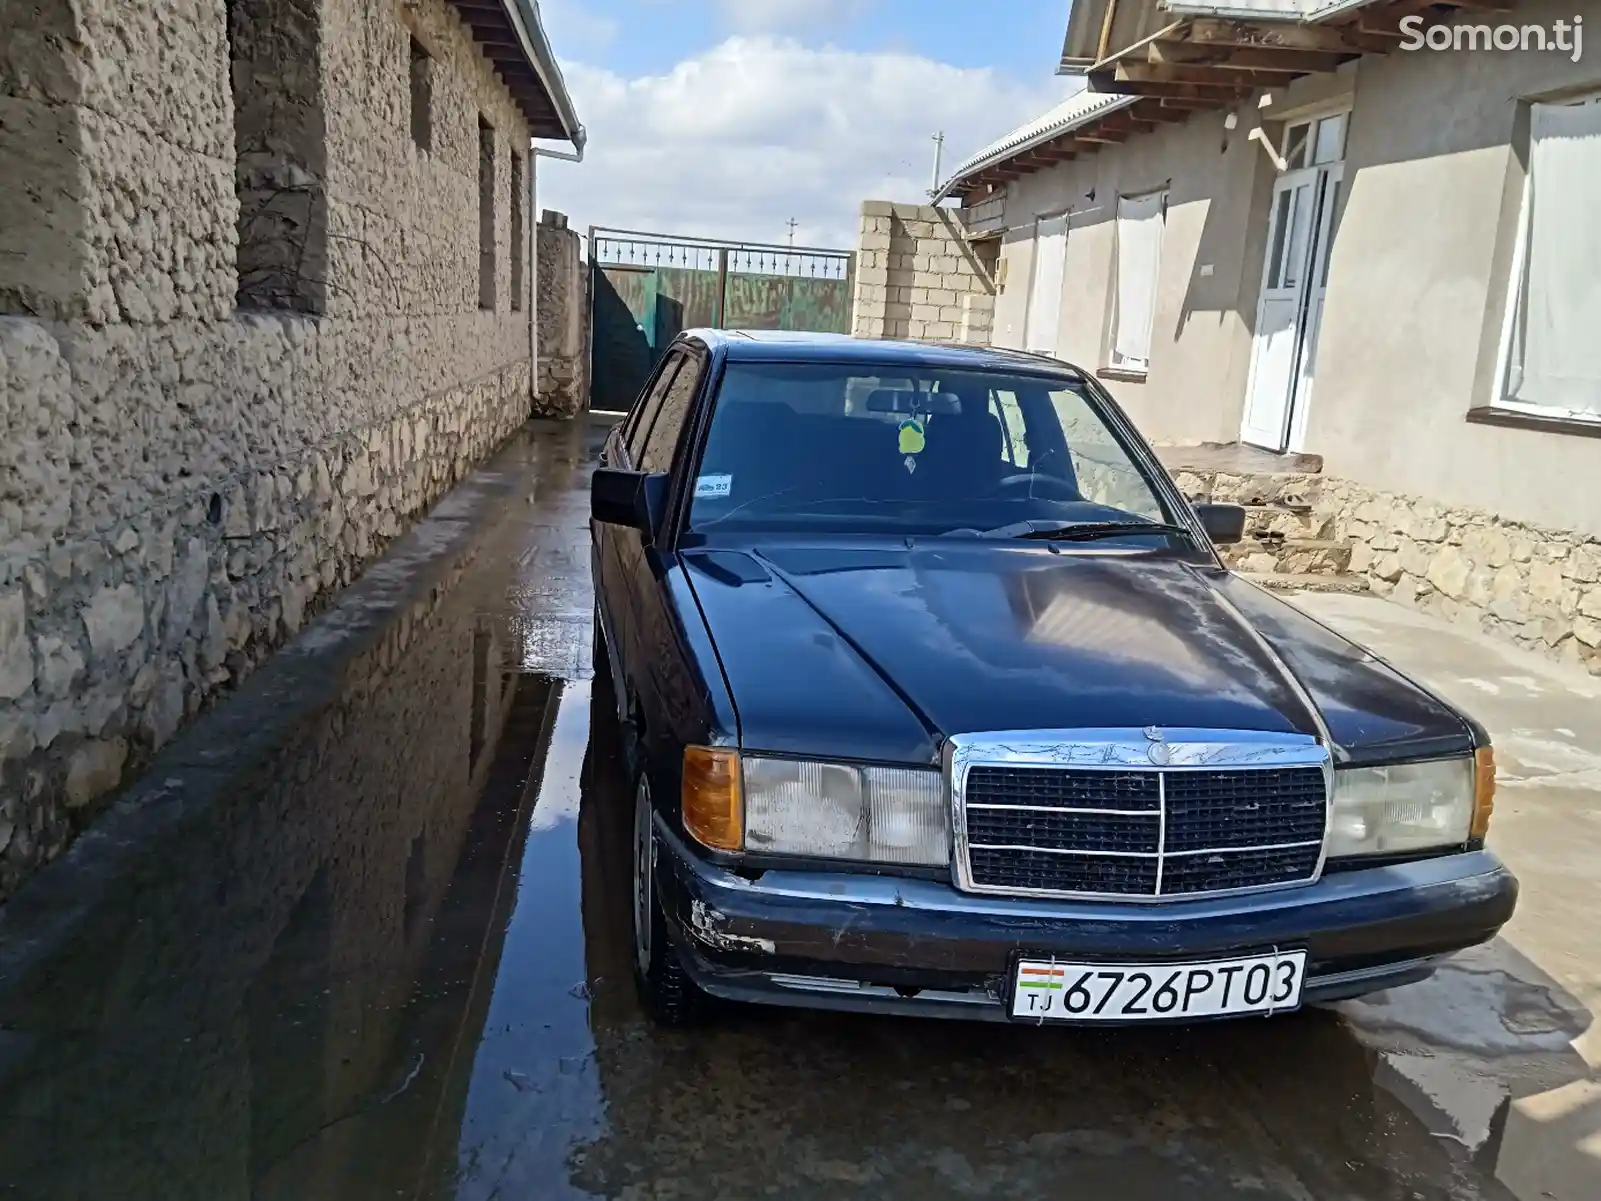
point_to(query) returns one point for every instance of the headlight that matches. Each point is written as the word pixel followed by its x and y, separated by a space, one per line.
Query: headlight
pixel 838 811
pixel 1406 807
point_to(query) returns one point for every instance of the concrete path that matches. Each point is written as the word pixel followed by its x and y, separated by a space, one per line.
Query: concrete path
pixel 363 933
pixel 1488 1056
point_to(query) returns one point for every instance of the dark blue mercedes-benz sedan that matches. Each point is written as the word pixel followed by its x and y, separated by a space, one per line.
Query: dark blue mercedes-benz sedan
pixel 939 701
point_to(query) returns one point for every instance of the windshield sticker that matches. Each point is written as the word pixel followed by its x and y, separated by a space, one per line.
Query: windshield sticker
pixel 714 485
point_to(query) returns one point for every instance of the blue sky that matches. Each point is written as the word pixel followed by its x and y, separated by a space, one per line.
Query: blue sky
pixel 729 117
pixel 639 37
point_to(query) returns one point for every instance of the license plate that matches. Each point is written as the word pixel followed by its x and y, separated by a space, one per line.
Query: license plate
pixel 1144 992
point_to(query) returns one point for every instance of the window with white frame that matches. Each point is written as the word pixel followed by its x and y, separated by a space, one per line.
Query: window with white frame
pixel 1315 142
pixel 1551 351
pixel 1140 222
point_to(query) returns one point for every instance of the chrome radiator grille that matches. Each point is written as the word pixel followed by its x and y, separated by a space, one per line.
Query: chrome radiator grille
pixel 1139 831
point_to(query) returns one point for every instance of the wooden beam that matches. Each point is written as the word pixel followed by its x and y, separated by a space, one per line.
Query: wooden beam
pixel 1325 39
pixel 1219 93
pixel 1044 157
pixel 1062 145
pixel 498 35
pixel 1123 121
pixel 1221 86
pixel 1204 75
pixel 1251 58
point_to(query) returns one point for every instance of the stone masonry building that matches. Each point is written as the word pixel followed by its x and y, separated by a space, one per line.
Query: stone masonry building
pixel 266 292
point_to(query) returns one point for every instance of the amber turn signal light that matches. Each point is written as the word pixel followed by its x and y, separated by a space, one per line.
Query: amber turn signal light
pixel 713 810
pixel 1483 791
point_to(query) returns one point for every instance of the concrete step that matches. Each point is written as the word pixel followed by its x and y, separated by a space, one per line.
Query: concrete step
pixel 1288 581
pixel 1293 556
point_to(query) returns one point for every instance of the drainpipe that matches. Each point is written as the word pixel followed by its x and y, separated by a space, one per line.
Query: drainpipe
pixel 575 156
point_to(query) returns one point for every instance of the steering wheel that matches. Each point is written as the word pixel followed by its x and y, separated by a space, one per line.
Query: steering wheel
pixel 1034 484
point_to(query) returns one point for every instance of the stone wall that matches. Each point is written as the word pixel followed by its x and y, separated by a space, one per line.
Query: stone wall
pixel 310 863
pixel 917 276
pixel 183 480
pixel 563 387
pixel 1541 588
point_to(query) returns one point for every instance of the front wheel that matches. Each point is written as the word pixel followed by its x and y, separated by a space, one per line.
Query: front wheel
pixel 665 989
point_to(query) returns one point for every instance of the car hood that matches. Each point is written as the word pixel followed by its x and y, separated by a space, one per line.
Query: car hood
pixel 882 652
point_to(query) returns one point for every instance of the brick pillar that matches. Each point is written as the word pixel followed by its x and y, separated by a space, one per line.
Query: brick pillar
pixel 919 277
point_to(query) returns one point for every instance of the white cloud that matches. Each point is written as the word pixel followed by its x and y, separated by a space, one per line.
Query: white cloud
pixel 736 141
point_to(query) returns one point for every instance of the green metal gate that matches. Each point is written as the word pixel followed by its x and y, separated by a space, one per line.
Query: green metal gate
pixel 645 289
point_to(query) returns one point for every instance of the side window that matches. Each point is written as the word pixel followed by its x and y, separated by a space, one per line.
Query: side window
pixel 675 407
pixel 645 410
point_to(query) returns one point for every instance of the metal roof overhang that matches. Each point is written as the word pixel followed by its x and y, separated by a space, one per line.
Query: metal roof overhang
pixel 1045 143
pixel 1189 56
pixel 512 37
pixel 1223 50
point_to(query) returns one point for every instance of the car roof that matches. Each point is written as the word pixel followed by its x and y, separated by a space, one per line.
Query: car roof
pixel 793 346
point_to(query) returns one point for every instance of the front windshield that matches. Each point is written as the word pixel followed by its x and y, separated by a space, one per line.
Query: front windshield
pixel 932 451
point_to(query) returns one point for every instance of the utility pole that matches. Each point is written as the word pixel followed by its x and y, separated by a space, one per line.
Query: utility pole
pixel 792 223
pixel 939 151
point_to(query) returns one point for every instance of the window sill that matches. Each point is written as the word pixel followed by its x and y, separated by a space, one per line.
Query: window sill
pixel 1513 419
pixel 1122 373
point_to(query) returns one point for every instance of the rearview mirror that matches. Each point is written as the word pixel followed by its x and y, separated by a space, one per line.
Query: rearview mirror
pixel 1224 524
pixel 889 400
pixel 634 499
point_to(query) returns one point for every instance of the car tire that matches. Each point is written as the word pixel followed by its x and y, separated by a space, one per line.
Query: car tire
pixel 669 996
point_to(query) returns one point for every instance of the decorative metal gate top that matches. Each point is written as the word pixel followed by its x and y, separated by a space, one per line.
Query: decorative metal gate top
pixel 632 248
pixel 645 288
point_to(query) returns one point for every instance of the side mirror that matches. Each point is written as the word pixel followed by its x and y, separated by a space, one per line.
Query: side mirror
pixel 1224 524
pixel 634 499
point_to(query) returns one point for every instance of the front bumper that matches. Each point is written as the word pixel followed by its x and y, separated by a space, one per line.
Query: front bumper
pixel 837 940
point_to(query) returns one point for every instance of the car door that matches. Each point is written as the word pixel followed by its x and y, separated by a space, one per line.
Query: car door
pixel 624 450
pixel 652 638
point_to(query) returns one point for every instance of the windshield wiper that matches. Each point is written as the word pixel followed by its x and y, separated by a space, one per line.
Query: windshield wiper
pixel 1086 531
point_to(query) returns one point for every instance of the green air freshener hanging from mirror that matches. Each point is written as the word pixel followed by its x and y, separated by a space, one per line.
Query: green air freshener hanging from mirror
pixel 912 437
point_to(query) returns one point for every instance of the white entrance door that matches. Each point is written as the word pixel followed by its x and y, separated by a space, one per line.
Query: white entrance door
pixel 1317 287
pixel 1294 283
pixel 1270 394
pixel 1045 288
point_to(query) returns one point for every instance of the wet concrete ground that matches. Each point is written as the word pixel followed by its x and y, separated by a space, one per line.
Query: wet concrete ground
pixel 364 934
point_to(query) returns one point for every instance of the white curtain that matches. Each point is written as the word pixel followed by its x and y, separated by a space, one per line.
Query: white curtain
pixel 1045 296
pixel 1555 359
pixel 1139 258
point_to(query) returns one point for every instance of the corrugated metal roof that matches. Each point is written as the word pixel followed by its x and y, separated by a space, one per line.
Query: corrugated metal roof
pixel 1074 112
